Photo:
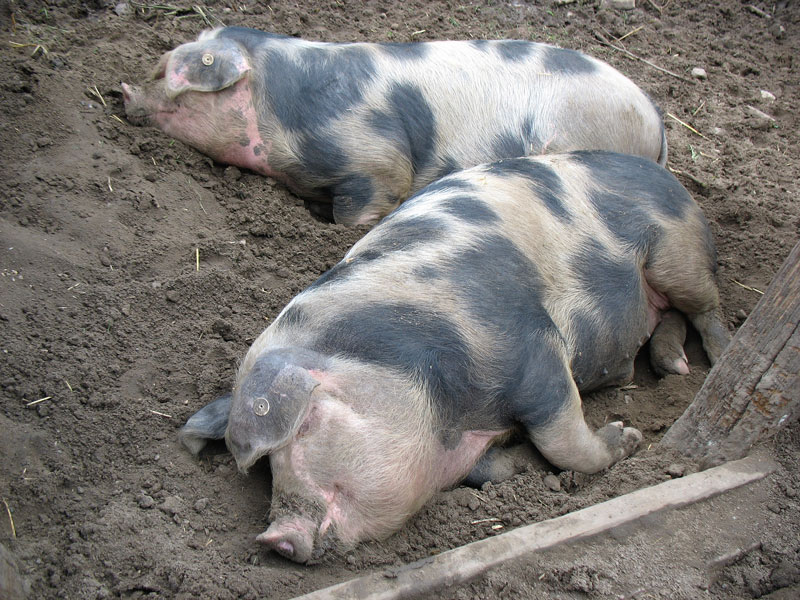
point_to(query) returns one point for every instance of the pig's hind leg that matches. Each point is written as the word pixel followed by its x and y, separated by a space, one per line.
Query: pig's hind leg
pixel 548 405
pixel 666 345
pixel 682 268
pixel 208 423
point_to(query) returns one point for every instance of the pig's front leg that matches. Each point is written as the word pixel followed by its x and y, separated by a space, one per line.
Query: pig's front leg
pixel 363 200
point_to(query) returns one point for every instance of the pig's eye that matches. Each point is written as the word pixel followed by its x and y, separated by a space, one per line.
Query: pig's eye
pixel 261 406
pixel 208 59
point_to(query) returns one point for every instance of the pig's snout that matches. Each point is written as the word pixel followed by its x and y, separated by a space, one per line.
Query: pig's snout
pixel 126 92
pixel 292 539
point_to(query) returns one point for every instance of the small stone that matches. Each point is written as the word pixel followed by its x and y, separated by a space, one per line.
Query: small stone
pixel 474 504
pixel 105 260
pixel 232 174
pixel 627 398
pixel 699 73
pixel 676 470
pixel 768 96
pixel 552 482
pixel 172 505
pixel 145 501
pixel 741 315
pixel 121 9
pixel 172 296
pixel 774 508
pixel 620 4
pixel 201 504
pixel 717 131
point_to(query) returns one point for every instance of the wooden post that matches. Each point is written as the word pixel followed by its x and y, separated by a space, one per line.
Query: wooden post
pixel 754 389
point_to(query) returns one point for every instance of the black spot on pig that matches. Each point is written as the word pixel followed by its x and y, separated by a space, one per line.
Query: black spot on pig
pixel 407 233
pixel 543 180
pixel 310 88
pixel 522 329
pixel 450 184
pixel 405 51
pixel 294 316
pixel 351 197
pixel 449 165
pixel 469 209
pixel 514 50
pixel 566 62
pixel 508 145
pixel 251 39
pixel 321 155
pixel 409 123
pixel 659 191
pixel 612 285
pixel 423 344
pixel 482 45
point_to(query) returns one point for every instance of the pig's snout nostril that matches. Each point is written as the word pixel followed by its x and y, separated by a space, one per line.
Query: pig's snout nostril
pixel 126 92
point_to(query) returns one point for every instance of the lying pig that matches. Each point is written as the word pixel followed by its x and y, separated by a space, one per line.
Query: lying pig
pixel 366 125
pixel 478 308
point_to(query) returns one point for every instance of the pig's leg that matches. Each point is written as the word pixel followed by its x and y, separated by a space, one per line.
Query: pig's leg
pixel 208 423
pixel 549 406
pixel 500 463
pixel 713 331
pixel 666 345
pixel 681 268
pixel 364 200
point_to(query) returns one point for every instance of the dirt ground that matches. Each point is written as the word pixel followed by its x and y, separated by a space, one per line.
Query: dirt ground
pixel 136 272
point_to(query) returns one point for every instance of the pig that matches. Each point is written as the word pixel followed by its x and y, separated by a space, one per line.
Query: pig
pixel 363 126
pixel 480 308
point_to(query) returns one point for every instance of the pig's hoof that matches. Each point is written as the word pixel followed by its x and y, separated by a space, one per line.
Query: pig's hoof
pixel 621 441
pixel 673 363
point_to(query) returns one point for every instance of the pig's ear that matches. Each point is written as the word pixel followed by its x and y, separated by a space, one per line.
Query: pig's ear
pixel 207 66
pixel 285 404
pixel 208 423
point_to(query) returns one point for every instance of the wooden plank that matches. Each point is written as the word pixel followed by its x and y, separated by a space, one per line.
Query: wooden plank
pixel 424 577
pixel 754 389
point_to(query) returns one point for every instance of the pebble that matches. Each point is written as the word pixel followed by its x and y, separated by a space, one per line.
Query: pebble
pixel 768 96
pixel 172 296
pixel 232 174
pixel 474 504
pixel 676 470
pixel 620 4
pixel 552 482
pixel 201 504
pixel 699 73
pixel 145 501
pixel 172 505
pixel 741 315
pixel 105 260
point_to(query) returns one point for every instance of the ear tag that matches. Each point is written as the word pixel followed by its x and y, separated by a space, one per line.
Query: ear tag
pixel 261 406
pixel 208 59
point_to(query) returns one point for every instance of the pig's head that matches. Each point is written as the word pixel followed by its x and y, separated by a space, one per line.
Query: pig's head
pixel 349 460
pixel 200 93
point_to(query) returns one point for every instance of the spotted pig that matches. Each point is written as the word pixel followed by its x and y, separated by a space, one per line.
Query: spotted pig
pixel 481 307
pixel 364 126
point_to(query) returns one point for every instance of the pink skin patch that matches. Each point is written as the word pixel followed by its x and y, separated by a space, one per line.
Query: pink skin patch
pixel 447 468
pixel 657 303
pixel 222 124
